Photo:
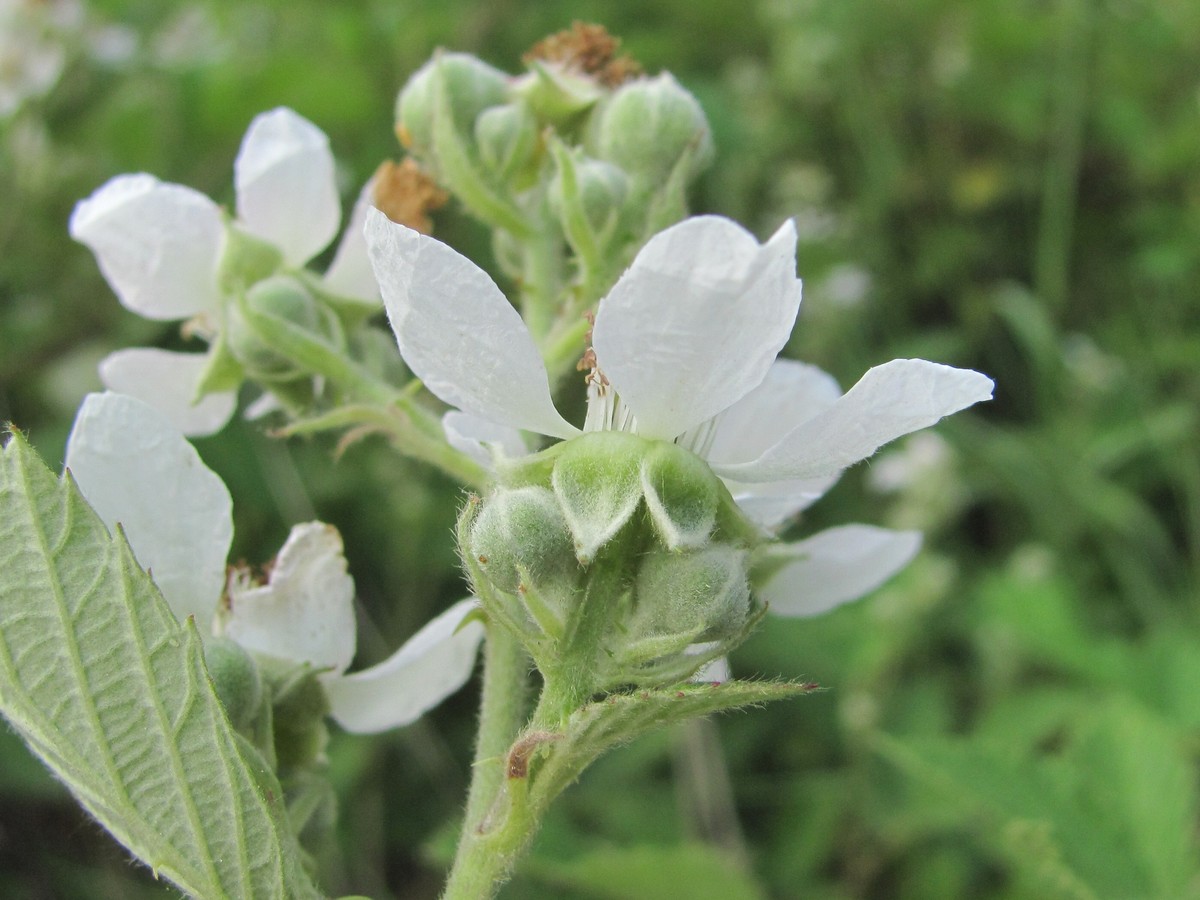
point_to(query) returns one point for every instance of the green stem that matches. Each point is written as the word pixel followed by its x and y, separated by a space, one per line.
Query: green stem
pixel 1052 262
pixel 487 850
pixel 542 279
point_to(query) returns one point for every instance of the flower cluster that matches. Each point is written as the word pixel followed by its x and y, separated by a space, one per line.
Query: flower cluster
pixel 684 350
pixel 171 253
pixel 137 471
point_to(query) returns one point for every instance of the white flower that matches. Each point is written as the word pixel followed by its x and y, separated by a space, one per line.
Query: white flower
pixel 160 247
pixel 136 469
pixel 685 345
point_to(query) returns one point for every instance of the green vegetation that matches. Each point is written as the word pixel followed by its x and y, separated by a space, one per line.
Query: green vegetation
pixel 1006 186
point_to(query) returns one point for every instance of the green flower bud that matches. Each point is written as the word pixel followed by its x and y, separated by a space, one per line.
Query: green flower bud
pixel 600 191
pixel 682 495
pixel 520 534
pixel 248 335
pixel 299 708
pixel 701 596
pixel 596 480
pixel 507 137
pixel 470 86
pixel 235 678
pixel 648 126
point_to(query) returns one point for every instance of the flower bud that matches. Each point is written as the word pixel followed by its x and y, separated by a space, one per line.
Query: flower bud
pixel 299 708
pixel 600 190
pixel 701 596
pixel 467 84
pixel 248 337
pixel 235 678
pixel 507 138
pixel 521 534
pixel 648 126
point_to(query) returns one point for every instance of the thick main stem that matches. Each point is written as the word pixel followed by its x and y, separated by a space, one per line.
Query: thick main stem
pixel 480 867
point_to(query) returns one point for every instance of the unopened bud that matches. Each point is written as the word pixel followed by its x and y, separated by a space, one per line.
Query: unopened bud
pixel 236 678
pixel 507 138
pixel 283 298
pixel 600 191
pixel 702 595
pixel 466 84
pixel 648 126
pixel 521 533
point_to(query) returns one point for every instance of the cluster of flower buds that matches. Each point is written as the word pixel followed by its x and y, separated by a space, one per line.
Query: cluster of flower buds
pixel 628 551
pixel 581 147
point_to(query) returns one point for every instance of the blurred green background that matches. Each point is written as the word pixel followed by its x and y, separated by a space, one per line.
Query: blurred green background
pixel 1007 185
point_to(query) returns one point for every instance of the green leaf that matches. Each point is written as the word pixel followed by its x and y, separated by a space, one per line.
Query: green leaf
pixel 112 693
pixel 642 873
pixel 1111 815
pixel 559 757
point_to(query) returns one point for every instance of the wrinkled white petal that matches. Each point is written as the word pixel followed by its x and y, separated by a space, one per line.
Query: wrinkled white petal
pixel 286 190
pixel 836 566
pixel 350 273
pixel 136 469
pixel 305 611
pixel 479 438
pixel 891 400
pixel 458 333
pixel 696 321
pixel 156 243
pixel 431 666
pixel 167 381
pixel 772 504
pixel 791 394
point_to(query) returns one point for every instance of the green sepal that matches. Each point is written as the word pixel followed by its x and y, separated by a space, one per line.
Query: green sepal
pixel 598 485
pixel 558 98
pixel 682 495
pixel 245 260
pixel 112 693
pixel 222 372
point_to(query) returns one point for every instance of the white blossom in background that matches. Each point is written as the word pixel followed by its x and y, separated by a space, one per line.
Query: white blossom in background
pixel 136 469
pixel 39 37
pixel 686 346
pixel 32 47
pixel 160 246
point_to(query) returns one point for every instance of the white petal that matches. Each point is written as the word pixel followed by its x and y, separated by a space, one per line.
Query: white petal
pixel 772 504
pixel 167 381
pixel 479 438
pixel 350 273
pixel 305 611
pixel 136 469
pixel 791 394
pixel 156 243
pixel 696 321
pixel 457 331
pixel 715 670
pixel 286 191
pixel 836 566
pixel 891 400
pixel 431 666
